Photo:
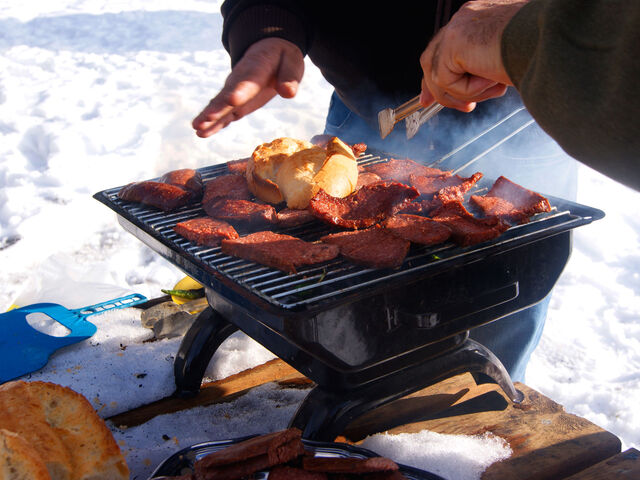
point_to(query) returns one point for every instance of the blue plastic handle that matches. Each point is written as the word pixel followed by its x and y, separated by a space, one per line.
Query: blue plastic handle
pixel 23 349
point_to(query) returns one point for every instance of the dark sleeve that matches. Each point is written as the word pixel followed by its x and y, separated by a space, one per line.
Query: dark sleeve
pixel 575 64
pixel 247 21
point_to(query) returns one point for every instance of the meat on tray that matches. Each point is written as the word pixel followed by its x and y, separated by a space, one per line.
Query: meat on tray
pixel 292 217
pixel 241 212
pixel 285 472
pixel 399 170
pixel 173 190
pixel 283 252
pixel 349 465
pixel 363 208
pixel 465 228
pixel 226 186
pixel 186 178
pixel 417 229
pixel 160 195
pixel 205 231
pixel 510 201
pixel 373 247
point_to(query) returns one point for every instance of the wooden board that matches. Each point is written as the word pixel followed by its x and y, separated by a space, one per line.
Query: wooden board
pixel 547 442
pixel 624 466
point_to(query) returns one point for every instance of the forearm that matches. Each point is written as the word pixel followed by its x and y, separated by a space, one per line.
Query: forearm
pixel 575 65
pixel 247 21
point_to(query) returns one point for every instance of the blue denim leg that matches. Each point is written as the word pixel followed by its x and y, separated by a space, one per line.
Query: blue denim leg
pixel 528 160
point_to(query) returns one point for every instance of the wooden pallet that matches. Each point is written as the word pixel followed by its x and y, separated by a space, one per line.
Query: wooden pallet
pixel 547 442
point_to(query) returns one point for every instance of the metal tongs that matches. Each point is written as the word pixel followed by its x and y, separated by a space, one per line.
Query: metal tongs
pixel 411 112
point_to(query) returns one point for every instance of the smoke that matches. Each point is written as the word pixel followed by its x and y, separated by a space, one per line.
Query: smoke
pixel 498 138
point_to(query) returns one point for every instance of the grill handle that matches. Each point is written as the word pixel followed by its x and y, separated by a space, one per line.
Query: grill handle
pixel 451 312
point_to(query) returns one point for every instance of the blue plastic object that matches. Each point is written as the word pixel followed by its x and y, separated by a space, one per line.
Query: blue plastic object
pixel 23 349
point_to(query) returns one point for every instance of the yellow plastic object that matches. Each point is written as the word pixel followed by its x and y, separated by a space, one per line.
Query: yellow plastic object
pixel 187 283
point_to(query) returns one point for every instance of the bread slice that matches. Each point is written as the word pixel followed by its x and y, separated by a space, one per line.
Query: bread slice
pixel 23 413
pixel 19 460
pixel 70 437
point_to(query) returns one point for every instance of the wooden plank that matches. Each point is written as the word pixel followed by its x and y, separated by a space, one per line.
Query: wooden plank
pixel 624 466
pixel 547 442
pixel 215 392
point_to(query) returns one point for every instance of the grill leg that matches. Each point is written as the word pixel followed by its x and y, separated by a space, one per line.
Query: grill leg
pixel 325 414
pixel 199 344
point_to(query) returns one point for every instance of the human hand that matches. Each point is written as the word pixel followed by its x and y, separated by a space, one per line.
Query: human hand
pixel 270 66
pixel 462 64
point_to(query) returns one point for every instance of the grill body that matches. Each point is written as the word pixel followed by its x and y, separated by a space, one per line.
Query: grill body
pixel 364 336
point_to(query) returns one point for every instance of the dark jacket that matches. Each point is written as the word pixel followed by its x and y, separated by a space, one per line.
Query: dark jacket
pixel 574 62
pixel 370 55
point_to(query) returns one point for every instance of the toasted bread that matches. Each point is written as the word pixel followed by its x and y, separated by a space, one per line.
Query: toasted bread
pixel 293 171
pixel 19 460
pixel 62 426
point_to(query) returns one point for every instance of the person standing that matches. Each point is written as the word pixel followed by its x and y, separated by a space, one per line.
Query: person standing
pixel 371 56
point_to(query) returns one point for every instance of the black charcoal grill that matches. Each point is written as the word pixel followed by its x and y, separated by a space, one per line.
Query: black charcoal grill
pixel 365 336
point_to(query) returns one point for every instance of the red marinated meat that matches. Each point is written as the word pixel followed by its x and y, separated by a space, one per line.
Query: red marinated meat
pixel 292 217
pixel 240 211
pixel 238 166
pixel 465 228
pixel 280 447
pixel 430 185
pixel 349 465
pixel 285 472
pixel 373 247
pixel 511 202
pixel 205 231
pixel 226 186
pixel 364 208
pixel 366 178
pixel 399 170
pixel 186 178
pixel 358 149
pixel 417 229
pixel 164 196
pixel 283 252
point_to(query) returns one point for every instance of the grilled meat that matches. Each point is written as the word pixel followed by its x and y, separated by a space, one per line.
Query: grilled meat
pixel 465 228
pixel 292 217
pixel 238 166
pixel 164 196
pixel 186 178
pixel 429 185
pixel 417 229
pixel 399 170
pixel 366 178
pixel 511 202
pixel 226 186
pixel 283 252
pixel 240 211
pixel 205 231
pixel 364 208
pixel 373 247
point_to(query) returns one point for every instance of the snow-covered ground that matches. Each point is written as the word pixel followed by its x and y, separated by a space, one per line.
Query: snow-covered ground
pixel 95 94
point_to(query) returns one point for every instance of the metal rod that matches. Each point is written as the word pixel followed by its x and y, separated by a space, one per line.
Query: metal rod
pixel 477 157
pixel 469 142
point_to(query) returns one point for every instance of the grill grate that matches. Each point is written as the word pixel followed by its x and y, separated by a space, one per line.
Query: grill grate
pixel 319 283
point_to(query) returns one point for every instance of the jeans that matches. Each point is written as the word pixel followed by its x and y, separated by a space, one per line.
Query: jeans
pixel 530 158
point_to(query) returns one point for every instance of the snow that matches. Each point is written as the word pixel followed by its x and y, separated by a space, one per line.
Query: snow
pixel 95 94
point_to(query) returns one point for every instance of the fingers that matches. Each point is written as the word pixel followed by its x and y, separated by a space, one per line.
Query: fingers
pixel 290 73
pixel 269 67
